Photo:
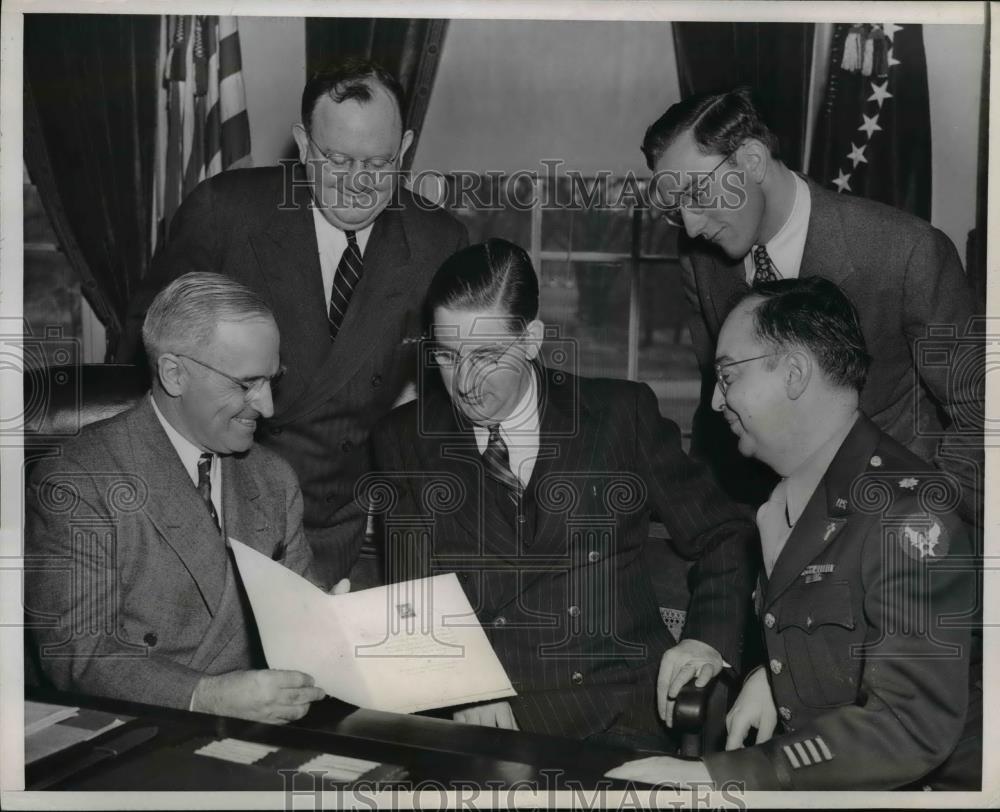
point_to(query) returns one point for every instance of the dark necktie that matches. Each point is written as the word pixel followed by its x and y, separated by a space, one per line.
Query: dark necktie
pixel 764 270
pixel 205 485
pixel 497 460
pixel 344 282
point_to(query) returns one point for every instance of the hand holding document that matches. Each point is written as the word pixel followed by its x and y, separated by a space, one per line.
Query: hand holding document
pixel 405 647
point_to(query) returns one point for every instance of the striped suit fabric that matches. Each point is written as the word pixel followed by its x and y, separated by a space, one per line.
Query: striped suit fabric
pixel 559 581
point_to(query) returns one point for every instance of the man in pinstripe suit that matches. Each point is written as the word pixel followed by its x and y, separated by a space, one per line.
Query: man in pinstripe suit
pixel 537 487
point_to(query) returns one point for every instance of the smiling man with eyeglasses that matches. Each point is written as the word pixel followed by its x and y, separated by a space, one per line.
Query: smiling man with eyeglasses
pixel 747 217
pixel 342 251
pixel 168 482
pixel 537 486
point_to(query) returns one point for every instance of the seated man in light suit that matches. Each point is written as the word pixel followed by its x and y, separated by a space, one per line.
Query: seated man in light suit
pixel 553 479
pixel 138 591
pixel 867 601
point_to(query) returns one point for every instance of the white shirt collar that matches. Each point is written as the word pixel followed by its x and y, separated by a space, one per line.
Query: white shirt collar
pixel 787 246
pixel 520 431
pixel 189 453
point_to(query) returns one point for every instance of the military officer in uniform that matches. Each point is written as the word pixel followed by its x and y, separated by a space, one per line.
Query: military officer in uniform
pixel 867 597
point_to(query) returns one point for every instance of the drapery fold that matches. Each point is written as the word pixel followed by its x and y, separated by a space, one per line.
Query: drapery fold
pixel 89 125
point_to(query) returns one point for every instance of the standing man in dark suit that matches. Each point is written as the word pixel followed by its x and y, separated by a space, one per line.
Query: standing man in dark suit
pixel 867 595
pixel 139 595
pixel 747 218
pixel 537 487
pixel 342 253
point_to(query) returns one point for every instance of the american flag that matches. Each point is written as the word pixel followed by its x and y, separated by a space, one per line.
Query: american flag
pixel 202 126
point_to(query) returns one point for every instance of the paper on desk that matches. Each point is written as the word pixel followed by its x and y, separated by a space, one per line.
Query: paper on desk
pixel 405 647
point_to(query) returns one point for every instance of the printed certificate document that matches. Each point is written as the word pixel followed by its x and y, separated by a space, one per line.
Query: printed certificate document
pixel 405 647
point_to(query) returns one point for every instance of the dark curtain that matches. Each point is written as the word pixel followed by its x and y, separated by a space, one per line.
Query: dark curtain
pixel 976 248
pixel 773 58
pixel 89 130
pixel 410 49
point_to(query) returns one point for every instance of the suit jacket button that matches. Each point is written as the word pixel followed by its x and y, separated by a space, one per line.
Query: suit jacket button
pixel 149 639
pixel 521 518
pixel 769 620
pixel 577 678
pixel 275 430
pixel 376 380
pixel 776 667
pixel 574 611
pixel 500 621
pixel 593 556
pixel 346 446
pixel 784 713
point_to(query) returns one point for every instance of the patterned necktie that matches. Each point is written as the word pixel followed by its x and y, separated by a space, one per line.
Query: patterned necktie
pixel 764 270
pixel 205 485
pixel 344 282
pixel 497 460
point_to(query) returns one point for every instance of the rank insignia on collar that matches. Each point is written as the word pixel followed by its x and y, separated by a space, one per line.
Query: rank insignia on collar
pixel 831 528
pixel 841 503
pixel 909 483
pixel 926 539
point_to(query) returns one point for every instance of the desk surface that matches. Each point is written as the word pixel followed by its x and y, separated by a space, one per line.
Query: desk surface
pixel 429 749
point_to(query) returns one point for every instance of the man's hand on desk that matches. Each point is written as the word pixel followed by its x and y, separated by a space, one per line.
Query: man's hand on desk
pixel 492 714
pixel 689 658
pixel 260 696
pixel 663 770
pixel 754 708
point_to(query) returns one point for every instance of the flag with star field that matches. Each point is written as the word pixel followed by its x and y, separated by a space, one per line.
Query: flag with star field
pixel 873 137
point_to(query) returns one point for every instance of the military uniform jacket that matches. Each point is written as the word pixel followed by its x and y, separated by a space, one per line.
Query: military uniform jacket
pixel 558 580
pixel 866 620
pixel 129 590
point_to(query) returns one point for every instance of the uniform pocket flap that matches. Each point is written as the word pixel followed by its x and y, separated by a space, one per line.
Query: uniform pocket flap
pixel 809 606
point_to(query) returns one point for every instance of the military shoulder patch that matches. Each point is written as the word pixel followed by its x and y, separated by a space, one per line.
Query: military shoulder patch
pixel 924 538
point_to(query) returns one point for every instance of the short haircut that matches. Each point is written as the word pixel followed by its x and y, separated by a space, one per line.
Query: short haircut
pixel 816 314
pixel 351 78
pixel 719 123
pixel 494 275
pixel 184 315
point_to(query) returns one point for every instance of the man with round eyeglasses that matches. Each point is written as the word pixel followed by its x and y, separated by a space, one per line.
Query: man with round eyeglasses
pixel 748 218
pixel 139 508
pixel 342 252
pixel 536 487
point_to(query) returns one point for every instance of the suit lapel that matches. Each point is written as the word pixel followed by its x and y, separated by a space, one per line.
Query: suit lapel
pixel 375 303
pixel 288 257
pixel 245 521
pixel 825 252
pixel 828 510
pixel 724 282
pixel 174 507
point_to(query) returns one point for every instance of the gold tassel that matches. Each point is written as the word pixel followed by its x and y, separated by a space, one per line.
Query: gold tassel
pixel 851 60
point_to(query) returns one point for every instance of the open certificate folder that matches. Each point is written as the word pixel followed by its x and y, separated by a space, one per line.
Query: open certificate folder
pixel 405 647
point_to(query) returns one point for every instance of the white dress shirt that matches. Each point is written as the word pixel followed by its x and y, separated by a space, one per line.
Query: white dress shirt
pixel 520 432
pixel 332 243
pixel 189 454
pixel 786 246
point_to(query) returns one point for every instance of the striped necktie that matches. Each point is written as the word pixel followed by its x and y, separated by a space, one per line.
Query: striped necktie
pixel 497 460
pixel 344 282
pixel 764 269
pixel 205 486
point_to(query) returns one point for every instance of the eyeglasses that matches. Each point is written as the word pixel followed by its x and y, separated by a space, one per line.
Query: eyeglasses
pixel 251 387
pixel 485 358
pixel 339 163
pixel 723 383
pixel 692 197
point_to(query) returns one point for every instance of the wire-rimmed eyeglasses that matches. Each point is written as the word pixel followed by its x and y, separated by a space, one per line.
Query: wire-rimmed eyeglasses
pixel 251 387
